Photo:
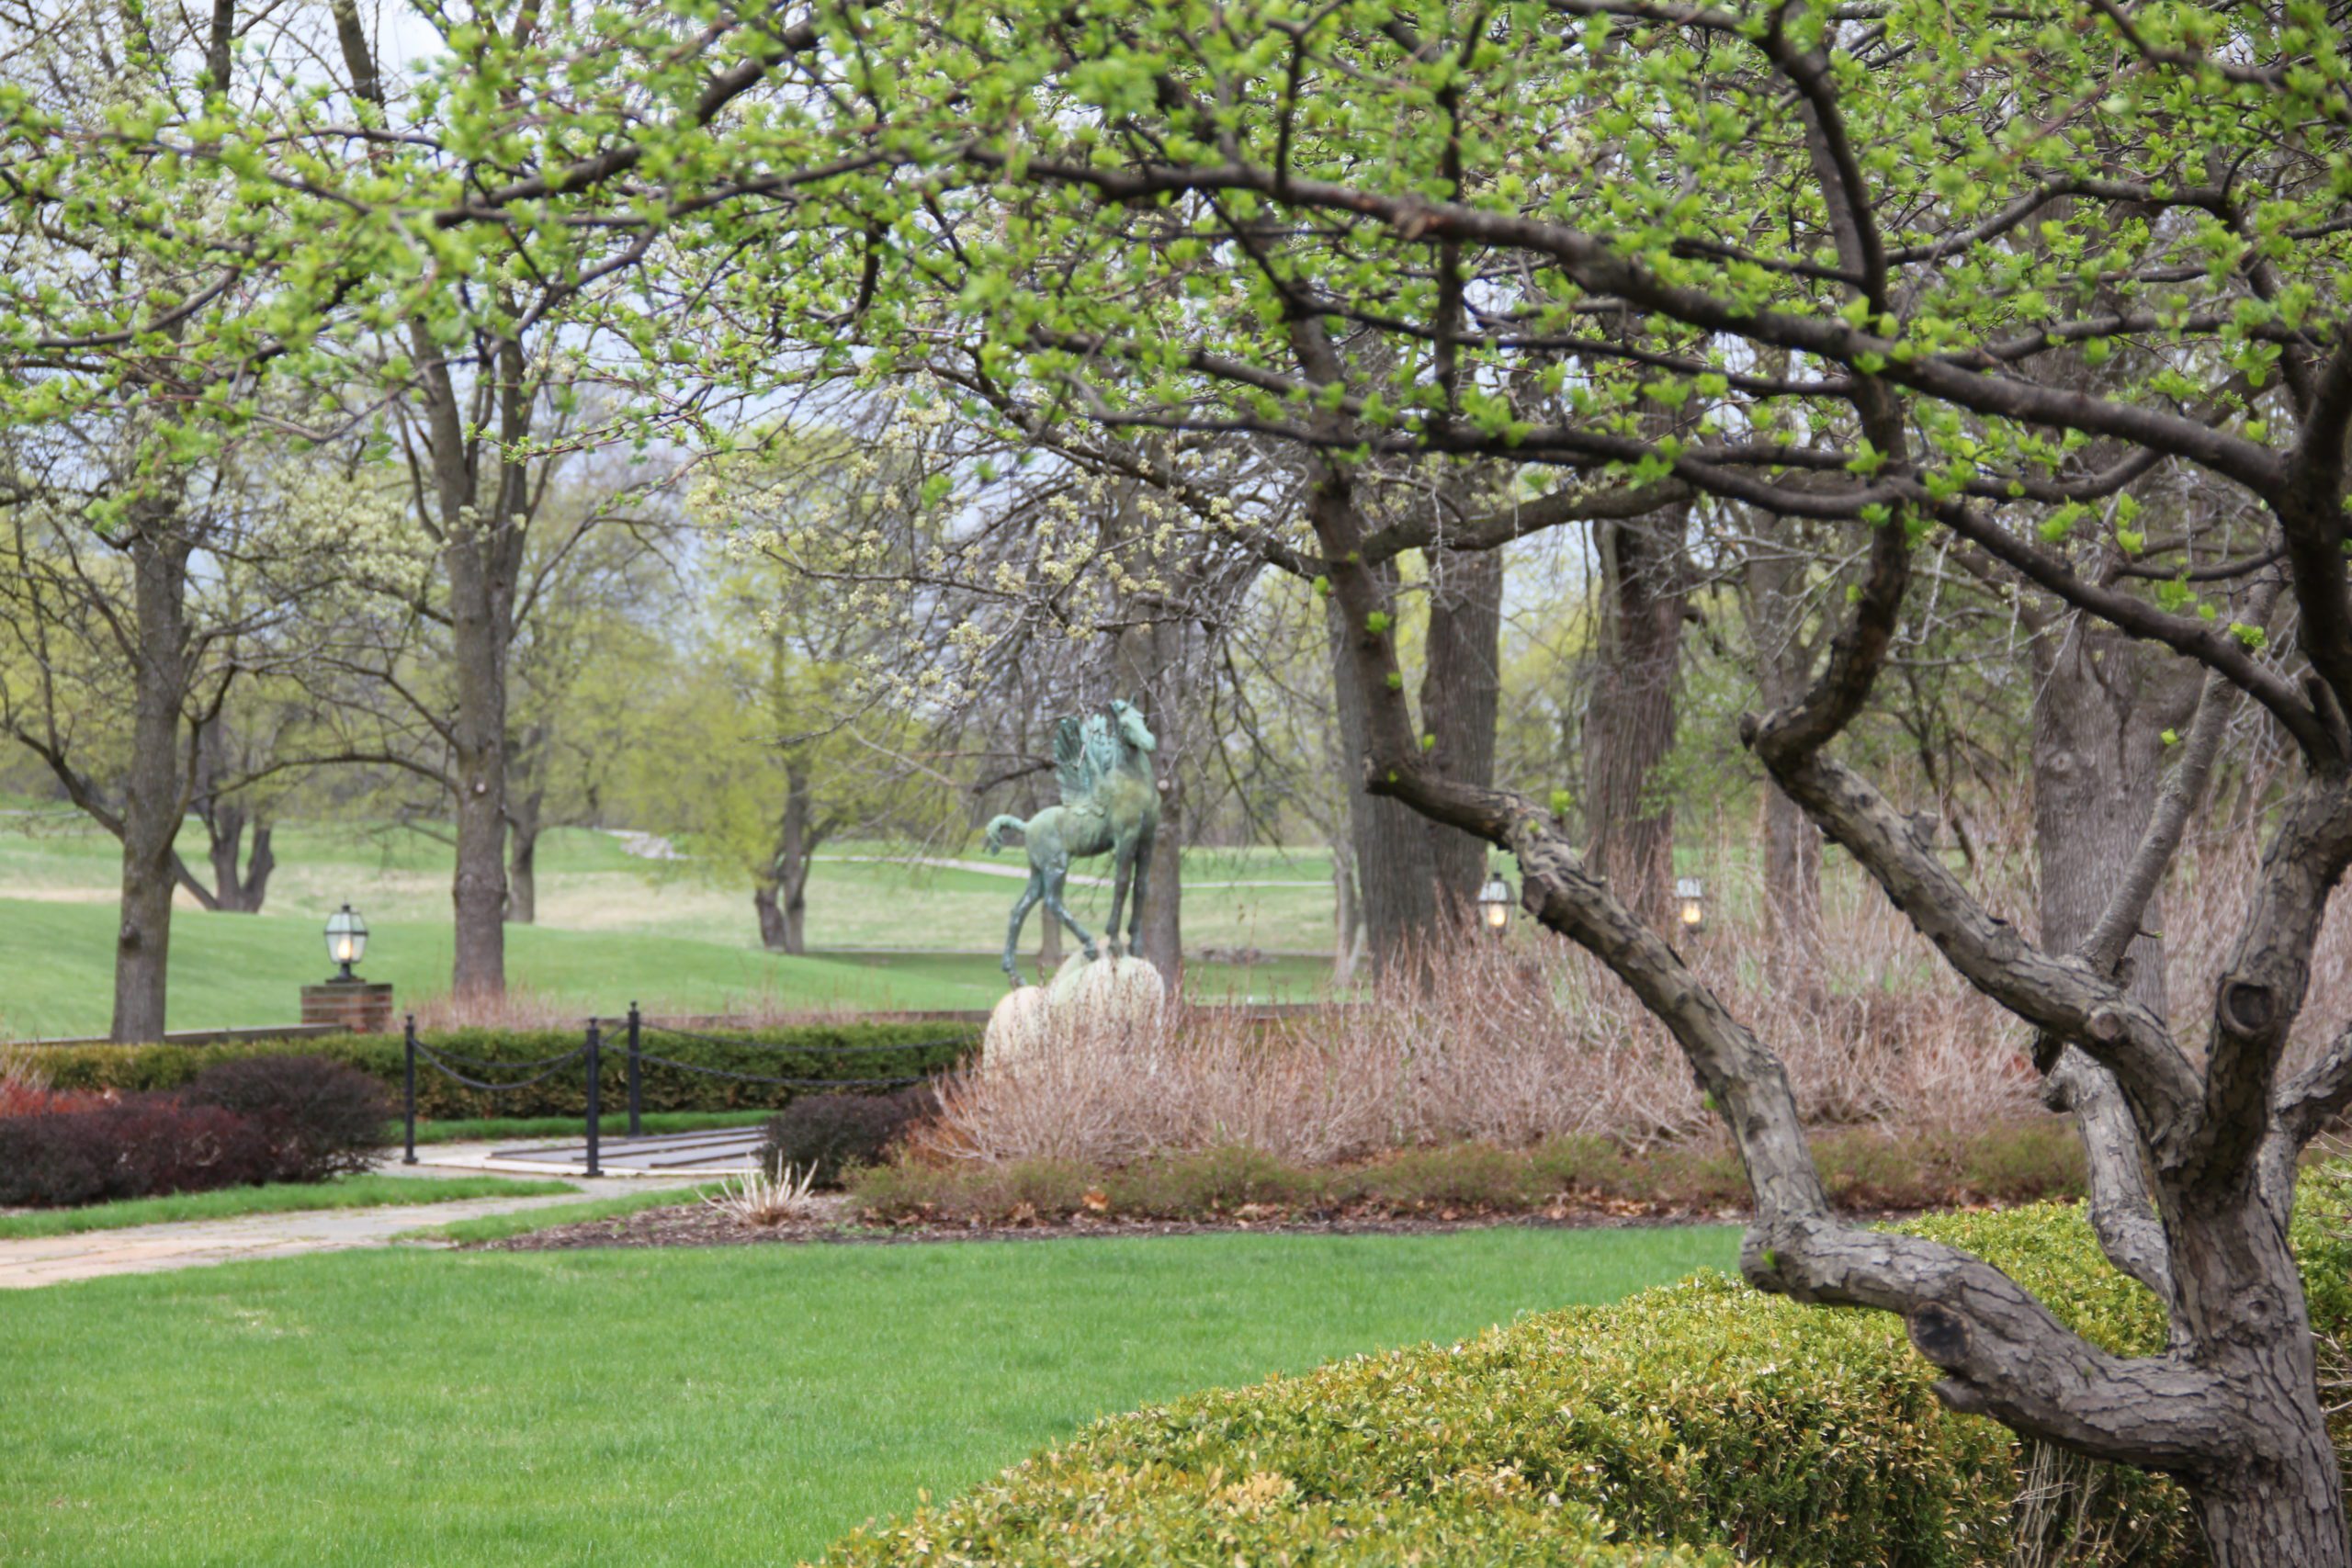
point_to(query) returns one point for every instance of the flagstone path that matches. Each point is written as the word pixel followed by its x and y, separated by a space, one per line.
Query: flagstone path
pixel 146 1249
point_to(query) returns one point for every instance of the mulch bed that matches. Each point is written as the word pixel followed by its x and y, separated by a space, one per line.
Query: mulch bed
pixel 702 1224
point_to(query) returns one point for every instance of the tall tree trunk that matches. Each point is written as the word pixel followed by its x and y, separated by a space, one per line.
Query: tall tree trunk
pixel 237 890
pixel 1348 913
pixel 480 634
pixel 764 904
pixel 1156 662
pixel 523 821
pixel 2101 705
pixel 254 887
pixel 482 519
pixel 1794 954
pixel 1461 692
pixel 1396 870
pixel 1629 719
pixel 793 850
pixel 156 794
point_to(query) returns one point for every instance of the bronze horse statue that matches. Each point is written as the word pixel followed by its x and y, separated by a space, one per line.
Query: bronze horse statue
pixel 1110 806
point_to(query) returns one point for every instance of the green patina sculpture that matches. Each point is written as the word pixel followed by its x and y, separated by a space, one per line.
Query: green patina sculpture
pixel 1110 806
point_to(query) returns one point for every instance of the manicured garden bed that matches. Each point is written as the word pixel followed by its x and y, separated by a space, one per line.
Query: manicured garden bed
pixel 1582 1178
pixel 714 1406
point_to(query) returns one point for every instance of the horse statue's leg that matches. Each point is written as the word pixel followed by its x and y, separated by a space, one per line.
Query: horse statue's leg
pixel 1020 908
pixel 1056 874
pixel 1123 862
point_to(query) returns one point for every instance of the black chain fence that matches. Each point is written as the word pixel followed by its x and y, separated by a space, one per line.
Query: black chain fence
pixel 589 1055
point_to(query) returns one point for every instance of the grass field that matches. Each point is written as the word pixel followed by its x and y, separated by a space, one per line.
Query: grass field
pixel 715 1406
pixel 367 1191
pixel 613 928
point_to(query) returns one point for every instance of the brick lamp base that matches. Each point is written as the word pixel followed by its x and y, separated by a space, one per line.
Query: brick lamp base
pixel 360 1005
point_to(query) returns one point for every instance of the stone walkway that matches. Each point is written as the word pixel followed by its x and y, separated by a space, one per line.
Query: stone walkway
pixel 147 1249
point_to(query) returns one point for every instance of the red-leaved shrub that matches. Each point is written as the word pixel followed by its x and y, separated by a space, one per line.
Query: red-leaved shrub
pixel 319 1118
pixel 137 1148
pixel 238 1123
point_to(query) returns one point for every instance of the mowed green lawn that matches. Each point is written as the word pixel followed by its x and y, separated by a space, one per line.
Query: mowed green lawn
pixel 718 1406
pixel 613 928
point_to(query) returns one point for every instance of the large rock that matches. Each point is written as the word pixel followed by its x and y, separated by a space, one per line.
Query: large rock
pixel 1126 993
pixel 1017 1026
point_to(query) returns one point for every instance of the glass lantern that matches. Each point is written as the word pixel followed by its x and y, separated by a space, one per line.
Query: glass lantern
pixel 347 939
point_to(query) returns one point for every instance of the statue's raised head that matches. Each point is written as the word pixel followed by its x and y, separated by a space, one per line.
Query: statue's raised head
pixel 1127 719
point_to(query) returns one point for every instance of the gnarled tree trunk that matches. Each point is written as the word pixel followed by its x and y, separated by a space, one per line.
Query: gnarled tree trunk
pixel 1461 692
pixel 1793 957
pixel 1629 718
pixel 2102 704
pixel 238 890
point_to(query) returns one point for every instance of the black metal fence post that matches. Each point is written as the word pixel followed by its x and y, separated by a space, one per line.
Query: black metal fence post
pixel 408 1092
pixel 636 1097
pixel 595 1104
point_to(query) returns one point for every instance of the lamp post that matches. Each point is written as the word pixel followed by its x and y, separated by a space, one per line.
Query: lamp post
pixel 1494 904
pixel 347 939
pixel 345 1001
pixel 1690 904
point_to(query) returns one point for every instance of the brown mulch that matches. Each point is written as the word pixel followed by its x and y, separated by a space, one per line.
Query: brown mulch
pixel 702 1225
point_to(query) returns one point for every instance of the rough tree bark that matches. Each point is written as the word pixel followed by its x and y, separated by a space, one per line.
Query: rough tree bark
pixel 1395 868
pixel 1772 575
pixel 1153 660
pixel 156 789
pixel 1629 718
pixel 793 851
pixel 2102 705
pixel 481 516
pixel 481 611
pixel 1461 692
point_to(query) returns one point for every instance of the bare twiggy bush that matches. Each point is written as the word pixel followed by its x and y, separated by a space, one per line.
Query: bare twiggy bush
pixel 1513 1042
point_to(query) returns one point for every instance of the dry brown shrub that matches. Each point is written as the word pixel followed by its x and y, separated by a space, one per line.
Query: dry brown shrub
pixel 1504 1044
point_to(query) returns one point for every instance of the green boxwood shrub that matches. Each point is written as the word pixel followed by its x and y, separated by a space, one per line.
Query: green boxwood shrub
pixel 1704 1414
pixel 803 1051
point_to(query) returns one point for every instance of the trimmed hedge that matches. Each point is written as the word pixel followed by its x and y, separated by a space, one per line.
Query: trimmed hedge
pixel 801 1051
pixel 1703 1414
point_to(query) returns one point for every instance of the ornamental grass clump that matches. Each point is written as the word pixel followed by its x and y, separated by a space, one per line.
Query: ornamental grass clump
pixel 768 1198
